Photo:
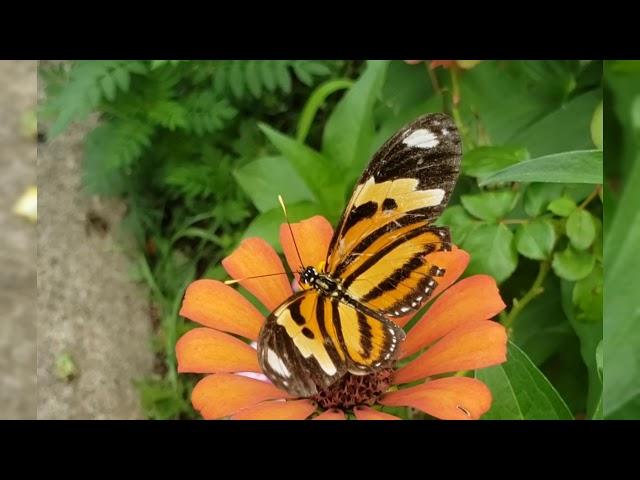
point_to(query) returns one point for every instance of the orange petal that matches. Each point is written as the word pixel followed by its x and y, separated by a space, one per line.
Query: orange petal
pixel 223 394
pixel 333 414
pixel 441 63
pixel 255 257
pixel 203 350
pixel 452 398
pixel 454 264
pixel 473 345
pixel 366 413
pixel 474 298
pixel 312 237
pixel 277 410
pixel 216 305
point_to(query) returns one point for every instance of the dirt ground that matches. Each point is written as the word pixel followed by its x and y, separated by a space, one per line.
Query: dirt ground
pixel 17 245
pixel 89 310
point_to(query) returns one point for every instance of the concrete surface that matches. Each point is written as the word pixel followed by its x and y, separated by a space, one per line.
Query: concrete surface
pixel 87 305
pixel 17 245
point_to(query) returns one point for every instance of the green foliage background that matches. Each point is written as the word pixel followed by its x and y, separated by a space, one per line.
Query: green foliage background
pixel 201 149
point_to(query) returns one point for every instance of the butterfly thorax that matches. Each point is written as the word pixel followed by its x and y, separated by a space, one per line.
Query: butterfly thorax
pixel 322 282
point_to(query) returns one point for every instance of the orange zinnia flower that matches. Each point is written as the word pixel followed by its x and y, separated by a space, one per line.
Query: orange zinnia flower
pixel 456 329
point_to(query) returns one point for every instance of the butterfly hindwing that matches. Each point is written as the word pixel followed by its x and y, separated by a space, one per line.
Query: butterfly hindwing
pixel 312 340
pixel 378 250
pixel 296 349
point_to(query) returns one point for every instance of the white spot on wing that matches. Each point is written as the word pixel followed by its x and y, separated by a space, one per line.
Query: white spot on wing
pixel 433 197
pixel 421 138
pixel 277 364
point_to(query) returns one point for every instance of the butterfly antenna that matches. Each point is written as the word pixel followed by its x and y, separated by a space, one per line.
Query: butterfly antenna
pixel 231 282
pixel 286 217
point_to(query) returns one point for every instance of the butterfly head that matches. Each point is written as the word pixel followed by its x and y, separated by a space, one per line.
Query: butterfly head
pixel 309 276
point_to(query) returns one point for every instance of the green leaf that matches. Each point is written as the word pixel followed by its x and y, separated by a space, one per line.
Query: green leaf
pixel 562 206
pixel 580 166
pixel 108 87
pixel 538 195
pixel 535 239
pixel 590 335
pixel 350 129
pixel 459 222
pixel 492 250
pixel 598 414
pixel 267 224
pixel 482 162
pixel 621 307
pixel 489 205
pixel 581 229
pixel 267 177
pixel 542 328
pixel 572 264
pixel 599 359
pixel 315 169
pixel 597 127
pixel 520 391
pixel 588 296
pixel 565 129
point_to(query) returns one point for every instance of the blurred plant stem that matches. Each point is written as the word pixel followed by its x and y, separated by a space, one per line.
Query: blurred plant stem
pixel 535 290
pixel 317 100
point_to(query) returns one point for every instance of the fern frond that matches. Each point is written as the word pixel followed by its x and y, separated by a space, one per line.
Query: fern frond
pixel 118 144
pixel 243 78
pixel 90 82
pixel 207 112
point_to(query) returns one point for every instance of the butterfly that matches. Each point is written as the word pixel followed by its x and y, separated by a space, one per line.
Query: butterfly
pixel 376 267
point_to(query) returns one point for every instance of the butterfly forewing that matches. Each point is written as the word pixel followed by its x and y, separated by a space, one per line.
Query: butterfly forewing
pixel 385 233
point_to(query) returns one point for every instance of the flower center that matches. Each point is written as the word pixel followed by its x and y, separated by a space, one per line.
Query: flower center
pixel 352 390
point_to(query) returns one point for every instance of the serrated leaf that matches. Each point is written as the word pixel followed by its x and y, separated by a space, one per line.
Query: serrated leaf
pixel 482 162
pixel 267 177
pixel 572 264
pixel 520 391
pixel 581 229
pixel 489 206
pixel 493 251
pixel 581 166
pixel 535 239
pixel 562 206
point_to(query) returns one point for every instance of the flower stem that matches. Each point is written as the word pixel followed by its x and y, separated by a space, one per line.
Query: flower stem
pixel 535 290
pixel 591 196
